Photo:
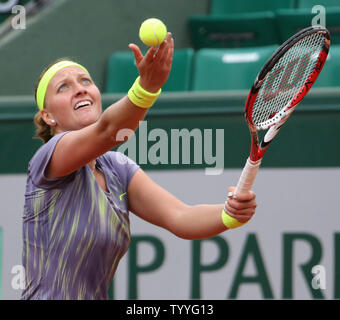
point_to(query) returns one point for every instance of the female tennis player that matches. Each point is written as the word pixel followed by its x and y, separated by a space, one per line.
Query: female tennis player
pixel 79 193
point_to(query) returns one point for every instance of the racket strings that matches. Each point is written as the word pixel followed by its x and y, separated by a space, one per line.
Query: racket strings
pixel 287 77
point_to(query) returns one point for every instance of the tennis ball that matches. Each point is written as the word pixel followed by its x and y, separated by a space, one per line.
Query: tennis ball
pixel 152 32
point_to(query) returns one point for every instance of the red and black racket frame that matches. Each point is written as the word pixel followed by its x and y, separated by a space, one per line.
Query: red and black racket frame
pixel 257 149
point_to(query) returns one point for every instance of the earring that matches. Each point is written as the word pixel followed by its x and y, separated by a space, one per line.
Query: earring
pixel 53 121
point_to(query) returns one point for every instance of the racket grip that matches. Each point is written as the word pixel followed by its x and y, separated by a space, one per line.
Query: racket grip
pixel 248 176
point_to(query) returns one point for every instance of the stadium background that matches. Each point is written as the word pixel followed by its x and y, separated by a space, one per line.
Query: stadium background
pixel 297 222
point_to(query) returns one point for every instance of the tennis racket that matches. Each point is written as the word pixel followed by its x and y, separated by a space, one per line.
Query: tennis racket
pixel 280 86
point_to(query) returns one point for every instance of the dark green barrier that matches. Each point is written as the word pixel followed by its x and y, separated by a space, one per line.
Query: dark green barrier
pixel 309 139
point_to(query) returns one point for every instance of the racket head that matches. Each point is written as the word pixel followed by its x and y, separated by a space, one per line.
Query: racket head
pixel 286 78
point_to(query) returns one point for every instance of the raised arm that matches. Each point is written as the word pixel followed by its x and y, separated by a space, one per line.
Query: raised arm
pixel 79 147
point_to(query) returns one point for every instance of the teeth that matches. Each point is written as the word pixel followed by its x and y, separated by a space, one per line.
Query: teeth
pixel 82 104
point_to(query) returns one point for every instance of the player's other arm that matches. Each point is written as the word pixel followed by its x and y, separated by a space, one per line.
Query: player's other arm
pixel 154 204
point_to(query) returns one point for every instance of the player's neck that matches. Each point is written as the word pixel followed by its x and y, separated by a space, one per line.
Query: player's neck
pixel 92 165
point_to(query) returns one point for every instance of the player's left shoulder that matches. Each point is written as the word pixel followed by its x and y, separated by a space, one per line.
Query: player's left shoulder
pixel 119 158
pixel 116 160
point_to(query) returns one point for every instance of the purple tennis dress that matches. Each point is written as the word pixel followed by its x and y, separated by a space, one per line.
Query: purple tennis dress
pixel 74 232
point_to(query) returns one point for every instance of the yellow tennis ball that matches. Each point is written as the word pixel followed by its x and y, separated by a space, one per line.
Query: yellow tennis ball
pixel 152 32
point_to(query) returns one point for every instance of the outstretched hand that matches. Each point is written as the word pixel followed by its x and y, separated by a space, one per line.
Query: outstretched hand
pixel 241 206
pixel 154 68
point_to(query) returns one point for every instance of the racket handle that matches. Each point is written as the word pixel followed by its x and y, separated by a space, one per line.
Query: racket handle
pixel 248 176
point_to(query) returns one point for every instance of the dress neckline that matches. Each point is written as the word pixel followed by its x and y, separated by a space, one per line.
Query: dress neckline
pixel 99 167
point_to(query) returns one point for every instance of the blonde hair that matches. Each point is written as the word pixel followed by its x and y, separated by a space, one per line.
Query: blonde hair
pixel 43 130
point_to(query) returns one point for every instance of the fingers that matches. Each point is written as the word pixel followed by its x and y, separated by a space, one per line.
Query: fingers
pixel 165 49
pixel 165 42
pixel 170 52
pixel 242 215
pixel 136 52
pixel 150 54
pixel 241 206
pixel 246 196
pixel 164 52
pixel 231 191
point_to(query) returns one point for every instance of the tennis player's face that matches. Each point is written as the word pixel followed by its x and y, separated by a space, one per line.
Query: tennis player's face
pixel 72 99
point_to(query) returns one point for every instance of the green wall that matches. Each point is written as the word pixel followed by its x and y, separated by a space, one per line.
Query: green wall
pixel 88 31
pixel 309 139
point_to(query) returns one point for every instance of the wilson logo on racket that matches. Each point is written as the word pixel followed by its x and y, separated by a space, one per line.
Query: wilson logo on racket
pixel 287 82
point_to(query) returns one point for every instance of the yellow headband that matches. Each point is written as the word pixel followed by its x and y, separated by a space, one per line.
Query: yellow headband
pixel 48 75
